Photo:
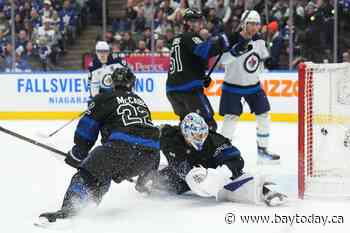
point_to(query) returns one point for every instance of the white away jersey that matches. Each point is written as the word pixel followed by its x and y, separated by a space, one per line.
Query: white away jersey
pixel 101 78
pixel 245 69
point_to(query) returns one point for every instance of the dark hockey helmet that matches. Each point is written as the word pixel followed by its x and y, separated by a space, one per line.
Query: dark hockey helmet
pixel 123 77
pixel 191 14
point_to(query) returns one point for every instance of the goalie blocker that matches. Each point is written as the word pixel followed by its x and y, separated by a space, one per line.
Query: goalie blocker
pixel 207 164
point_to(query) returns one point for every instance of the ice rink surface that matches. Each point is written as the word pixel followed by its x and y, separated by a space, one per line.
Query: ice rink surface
pixel 34 180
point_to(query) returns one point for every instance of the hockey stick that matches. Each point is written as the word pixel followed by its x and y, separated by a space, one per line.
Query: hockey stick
pixel 32 141
pixel 63 126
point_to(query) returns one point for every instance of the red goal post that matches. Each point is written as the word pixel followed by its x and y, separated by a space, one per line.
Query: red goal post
pixel 324 128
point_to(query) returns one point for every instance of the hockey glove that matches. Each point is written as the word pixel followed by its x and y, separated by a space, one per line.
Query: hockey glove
pixel 224 42
pixel 206 81
pixel 207 182
pixel 74 157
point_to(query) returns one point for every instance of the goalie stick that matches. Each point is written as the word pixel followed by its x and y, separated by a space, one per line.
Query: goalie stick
pixel 32 141
pixel 39 144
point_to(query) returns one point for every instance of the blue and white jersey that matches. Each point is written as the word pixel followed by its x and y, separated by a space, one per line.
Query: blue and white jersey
pixel 244 70
pixel 100 79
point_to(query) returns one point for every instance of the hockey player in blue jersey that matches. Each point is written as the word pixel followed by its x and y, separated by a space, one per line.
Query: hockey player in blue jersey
pixel 206 163
pixel 130 146
pixel 188 63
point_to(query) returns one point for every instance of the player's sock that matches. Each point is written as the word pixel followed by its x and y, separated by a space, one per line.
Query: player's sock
pixel 83 190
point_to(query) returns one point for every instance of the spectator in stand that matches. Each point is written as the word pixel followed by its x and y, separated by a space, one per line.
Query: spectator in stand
pixel 276 44
pixel 117 53
pixel 35 19
pixel 346 56
pixel 195 4
pixel 147 37
pixel 68 21
pixel 128 44
pixel 141 47
pixel 22 39
pixel 19 25
pixel 140 21
pixel 109 37
pixel 4 26
pixel 46 41
pixel 148 12
pixel 223 12
pixel 214 24
pixel 160 48
pixel 48 11
pixel 130 15
pixel 21 65
pixel 168 37
pixel 161 23
pixel 179 10
pixel 167 8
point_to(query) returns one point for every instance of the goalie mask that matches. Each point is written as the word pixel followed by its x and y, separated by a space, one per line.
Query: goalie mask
pixel 123 77
pixel 195 130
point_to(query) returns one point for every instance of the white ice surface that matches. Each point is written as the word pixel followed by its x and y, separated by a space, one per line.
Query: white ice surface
pixel 33 180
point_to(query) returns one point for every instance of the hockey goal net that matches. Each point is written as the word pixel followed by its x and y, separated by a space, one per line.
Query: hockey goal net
pixel 324 129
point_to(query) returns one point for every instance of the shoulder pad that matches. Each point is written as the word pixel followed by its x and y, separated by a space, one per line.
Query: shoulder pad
pixel 218 139
pixel 257 36
pixel 169 131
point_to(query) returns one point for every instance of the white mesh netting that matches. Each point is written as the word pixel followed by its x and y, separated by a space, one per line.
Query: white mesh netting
pixel 327 120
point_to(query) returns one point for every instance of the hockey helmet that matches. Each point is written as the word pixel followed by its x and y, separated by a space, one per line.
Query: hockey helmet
pixel 250 16
pixel 123 77
pixel 102 51
pixel 102 46
pixel 195 130
pixel 191 14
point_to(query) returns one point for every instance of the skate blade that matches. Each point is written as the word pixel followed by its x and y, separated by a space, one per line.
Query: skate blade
pixel 262 161
pixel 59 224
pixel 42 222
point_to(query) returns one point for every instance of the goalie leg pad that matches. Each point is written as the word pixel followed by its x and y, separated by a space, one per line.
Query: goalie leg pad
pixel 246 189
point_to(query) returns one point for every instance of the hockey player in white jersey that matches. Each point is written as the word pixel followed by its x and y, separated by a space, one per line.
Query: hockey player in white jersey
pixel 243 64
pixel 102 68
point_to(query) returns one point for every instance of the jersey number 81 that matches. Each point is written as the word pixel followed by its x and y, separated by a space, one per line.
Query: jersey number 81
pixel 175 60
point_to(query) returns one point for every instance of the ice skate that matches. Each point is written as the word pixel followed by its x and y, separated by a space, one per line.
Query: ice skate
pixel 267 157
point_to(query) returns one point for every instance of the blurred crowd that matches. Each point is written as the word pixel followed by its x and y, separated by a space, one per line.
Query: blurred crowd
pixel 312 26
pixel 43 28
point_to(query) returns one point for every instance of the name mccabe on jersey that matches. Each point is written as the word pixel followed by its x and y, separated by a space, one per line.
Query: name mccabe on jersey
pixel 130 100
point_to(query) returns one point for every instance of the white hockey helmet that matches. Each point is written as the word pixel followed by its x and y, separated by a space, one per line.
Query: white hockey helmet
pixel 252 17
pixel 102 51
pixel 102 46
